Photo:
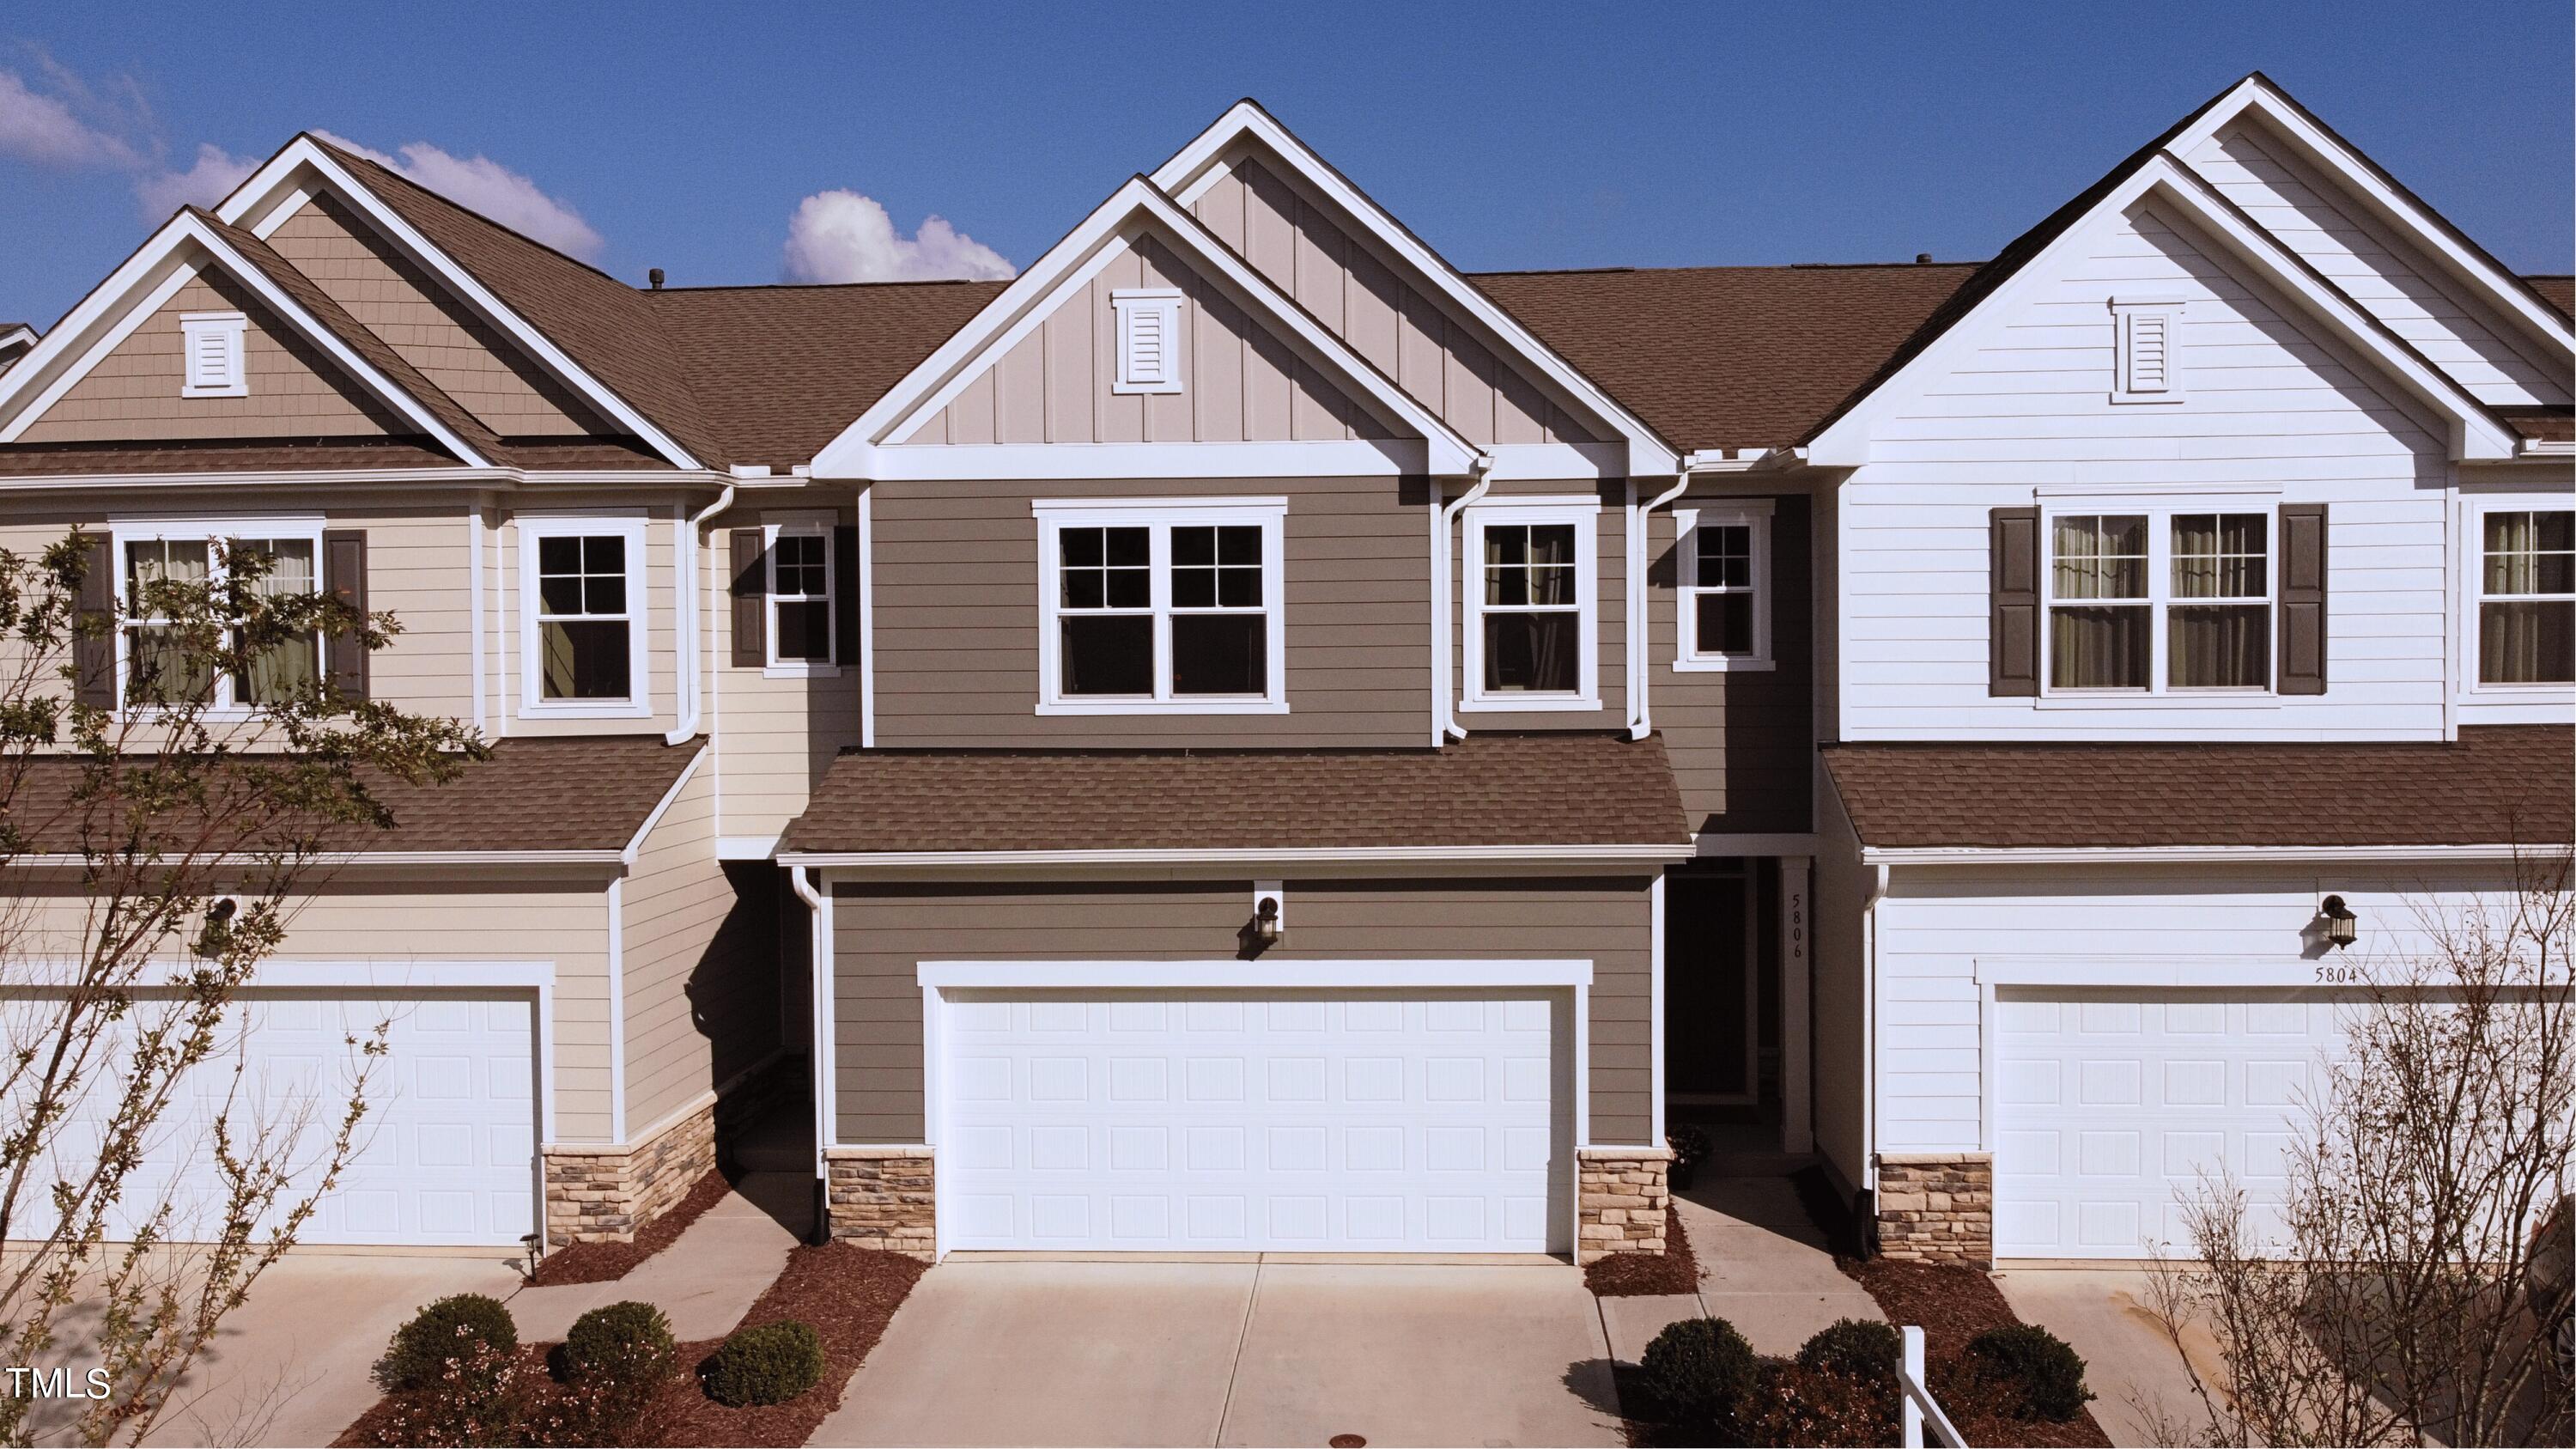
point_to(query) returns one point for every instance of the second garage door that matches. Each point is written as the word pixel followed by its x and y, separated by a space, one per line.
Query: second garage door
pixel 1272 1121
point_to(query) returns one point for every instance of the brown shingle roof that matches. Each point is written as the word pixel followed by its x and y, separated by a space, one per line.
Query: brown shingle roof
pixel 2557 291
pixel 1728 357
pixel 227 455
pixel 1491 789
pixel 2498 785
pixel 2541 422
pixel 533 794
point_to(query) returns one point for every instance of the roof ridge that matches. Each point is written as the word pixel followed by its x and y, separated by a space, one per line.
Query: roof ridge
pixel 347 155
pixel 1622 270
pixel 830 286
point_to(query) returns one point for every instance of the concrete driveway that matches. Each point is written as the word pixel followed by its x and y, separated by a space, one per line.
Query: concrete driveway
pixel 1244 1351
pixel 2136 1378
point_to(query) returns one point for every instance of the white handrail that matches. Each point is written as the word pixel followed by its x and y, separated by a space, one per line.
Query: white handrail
pixel 1920 1407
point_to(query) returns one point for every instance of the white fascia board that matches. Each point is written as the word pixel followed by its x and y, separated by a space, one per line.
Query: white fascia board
pixel 1528 462
pixel 2475 433
pixel 1341 458
pixel 2180 854
pixel 1267 972
pixel 2366 183
pixel 18 337
pixel 481 479
pixel 1247 856
pixel 746 847
pixel 274 188
pixel 1197 165
pixel 1022 304
pixel 346 859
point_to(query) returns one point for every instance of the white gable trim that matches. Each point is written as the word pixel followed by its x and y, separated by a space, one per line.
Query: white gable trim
pixel 2474 432
pixel 21 335
pixel 278 189
pixel 2365 183
pixel 862 451
pixel 1208 158
pixel 136 290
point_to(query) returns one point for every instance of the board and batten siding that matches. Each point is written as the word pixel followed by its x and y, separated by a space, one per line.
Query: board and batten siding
pixel 1242 385
pixel 883 932
pixel 2259 172
pixel 1610 595
pixel 2269 406
pixel 956 631
pixel 1742 742
pixel 1360 295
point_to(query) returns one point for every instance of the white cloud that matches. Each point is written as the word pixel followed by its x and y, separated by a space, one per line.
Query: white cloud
pixel 841 236
pixel 48 128
pixel 485 185
pixel 212 179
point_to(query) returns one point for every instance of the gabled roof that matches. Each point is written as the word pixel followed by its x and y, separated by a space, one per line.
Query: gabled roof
pixel 1198 164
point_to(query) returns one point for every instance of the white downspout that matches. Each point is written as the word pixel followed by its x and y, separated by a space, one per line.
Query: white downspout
pixel 818 1049
pixel 1444 722
pixel 1872 893
pixel 1641 717
pixel 693 674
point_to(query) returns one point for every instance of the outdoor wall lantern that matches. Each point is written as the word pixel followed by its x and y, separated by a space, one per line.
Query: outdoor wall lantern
pixel 2340 926
pixel 1266 927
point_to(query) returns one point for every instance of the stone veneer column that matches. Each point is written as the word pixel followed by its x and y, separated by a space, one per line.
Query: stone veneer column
pixel 606 1194
pixel 1937 1207
pixel 1623 1196
pixel 884 1197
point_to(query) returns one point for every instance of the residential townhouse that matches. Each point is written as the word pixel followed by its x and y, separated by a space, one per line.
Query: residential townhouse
pixel 1245 737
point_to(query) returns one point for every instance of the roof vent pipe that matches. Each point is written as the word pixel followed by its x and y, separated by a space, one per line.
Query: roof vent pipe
pixel 1921 259
pixel 655 276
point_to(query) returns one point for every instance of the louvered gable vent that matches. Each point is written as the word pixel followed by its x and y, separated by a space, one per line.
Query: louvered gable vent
pixel 1149 339
pixel 212 342
pixel 2149 338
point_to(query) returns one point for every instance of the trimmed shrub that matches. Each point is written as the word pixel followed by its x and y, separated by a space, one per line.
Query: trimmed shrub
pixel 440 1331
pixel 626 1341
pixel 1700 1370
pixel 766 1365
pixel 1854 1348
pixel 2029 1372
pixel 473 1397
pixel 1799 1405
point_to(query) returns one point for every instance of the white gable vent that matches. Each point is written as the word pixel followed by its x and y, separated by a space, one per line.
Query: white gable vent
pixel 1149 339
pixel 2149 339
pixel 213 341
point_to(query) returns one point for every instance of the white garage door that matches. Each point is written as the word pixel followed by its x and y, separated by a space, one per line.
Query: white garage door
pixel 2109 1107
pixel 446 1151
pixel 1271 1121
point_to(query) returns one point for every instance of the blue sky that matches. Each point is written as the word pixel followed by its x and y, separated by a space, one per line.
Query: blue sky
pixel 1547 135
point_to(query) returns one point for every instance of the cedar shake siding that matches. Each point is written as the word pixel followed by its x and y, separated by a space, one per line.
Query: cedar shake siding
pixel 1741 741
pixel 957 617
pixel 883 932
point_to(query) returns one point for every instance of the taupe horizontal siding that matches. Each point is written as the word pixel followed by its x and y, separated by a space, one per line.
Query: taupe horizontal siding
pixel 1742 742
pixel 1610 594
pixel 882 933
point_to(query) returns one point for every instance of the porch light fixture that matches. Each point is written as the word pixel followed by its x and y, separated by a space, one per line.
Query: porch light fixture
pixel 2341 926
pixel 1269 919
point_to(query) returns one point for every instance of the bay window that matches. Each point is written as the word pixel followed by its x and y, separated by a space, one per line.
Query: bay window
pixel 1149 607
pixel 2526 608
pixel 2153 602
pixel 1532 606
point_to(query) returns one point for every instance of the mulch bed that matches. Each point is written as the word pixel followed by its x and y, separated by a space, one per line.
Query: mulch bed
pixel 1633 1275
pixel 1953 1304
pixel 608 1262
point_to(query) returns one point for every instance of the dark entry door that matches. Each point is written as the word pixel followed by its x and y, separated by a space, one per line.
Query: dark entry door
pixel 1710 1010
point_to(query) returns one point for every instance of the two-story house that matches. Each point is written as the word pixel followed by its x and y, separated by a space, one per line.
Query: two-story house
pixel 1245 737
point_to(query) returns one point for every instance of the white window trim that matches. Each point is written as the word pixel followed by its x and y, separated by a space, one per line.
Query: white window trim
pixel 1585 515
pixel 1161 516
pixel 228 325
pixel 1749 513
pixel 146 530
pixel 803 525
pixel 2473 593
pixel 2124 312
pixel 532 701
pixel 1125 303
pixel 2159 515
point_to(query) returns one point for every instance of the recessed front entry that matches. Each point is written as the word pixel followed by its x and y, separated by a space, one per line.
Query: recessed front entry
pixel 1257 1120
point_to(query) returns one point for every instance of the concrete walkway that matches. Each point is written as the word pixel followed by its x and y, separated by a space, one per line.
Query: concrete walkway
pixel 703 1282
pixel 2137 1379
pixel 1763 1267
pixel 1235 1351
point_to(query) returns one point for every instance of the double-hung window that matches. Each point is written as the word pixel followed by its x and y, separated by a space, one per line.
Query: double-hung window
pixel 582 588
pixel 1533 606
pixel 1149 607
pixel 800 594
pixel 1723 566
pixel 2526 606
pixel 2157 602
pixel 154 666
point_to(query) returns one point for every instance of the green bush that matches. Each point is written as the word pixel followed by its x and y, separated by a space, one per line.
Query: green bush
pixel 1855 1349
pixel 441 1331
pixel 2030 1372
pixel 1700 1370
pixel 628 1341
pixel 474 1397
pixel 766 1365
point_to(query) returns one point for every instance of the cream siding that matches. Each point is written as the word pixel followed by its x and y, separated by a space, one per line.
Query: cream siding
pixel 701 988
pixel 509 620
pixel 774 737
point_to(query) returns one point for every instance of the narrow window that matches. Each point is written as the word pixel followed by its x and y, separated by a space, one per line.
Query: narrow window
pixel 212 342
pixel 1533 614
pixel 584 623
pixel 1724 559
pixel 291 667
pixel 800 596
pixel 2210 644
pixel 2100 621
pixel 2527 597
pixel 157 667
pixel 1149 339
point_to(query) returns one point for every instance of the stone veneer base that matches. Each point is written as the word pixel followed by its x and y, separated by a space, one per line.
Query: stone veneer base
pixel 1937 1207
pixel 1622 1197
pixel 884 1197
pixel 607 1193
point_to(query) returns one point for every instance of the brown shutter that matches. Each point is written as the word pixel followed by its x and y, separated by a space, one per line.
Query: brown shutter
pixel 2302 662
pixel 845 594
pixel 2012 625
pixel 344 577
pixel 94 642
pixel 750 600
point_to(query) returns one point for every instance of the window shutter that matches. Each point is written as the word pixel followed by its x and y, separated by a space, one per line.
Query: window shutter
pixel 750 600
pixel 2013 624
pixel 94 645
pixel 2303 599
pixel 344 577
pixel 845 594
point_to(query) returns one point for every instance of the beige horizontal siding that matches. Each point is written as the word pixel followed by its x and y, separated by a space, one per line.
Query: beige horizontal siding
pixel 701 984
